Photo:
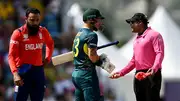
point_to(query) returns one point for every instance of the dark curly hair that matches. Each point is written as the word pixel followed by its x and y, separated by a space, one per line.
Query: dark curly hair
pixel 32 10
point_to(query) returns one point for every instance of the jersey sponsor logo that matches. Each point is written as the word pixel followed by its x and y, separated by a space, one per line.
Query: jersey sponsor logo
pixel 14 42
pixel 33 46
pixel 40 35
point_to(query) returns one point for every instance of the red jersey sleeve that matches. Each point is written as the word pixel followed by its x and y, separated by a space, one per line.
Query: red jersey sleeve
pixel 14 50
pixel 49 44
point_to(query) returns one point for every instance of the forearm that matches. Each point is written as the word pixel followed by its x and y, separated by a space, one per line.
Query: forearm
pixel 127 69
pixel 12 63
pixel 13 56
pixel 93 56
pixel 49 51
pixel 158 45
pixel 49 45
pixel 158 61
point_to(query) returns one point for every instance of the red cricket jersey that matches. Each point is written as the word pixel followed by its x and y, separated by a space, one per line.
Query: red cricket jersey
pixel 25 49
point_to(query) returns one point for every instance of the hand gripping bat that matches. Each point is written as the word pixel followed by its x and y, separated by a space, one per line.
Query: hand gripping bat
pixel 67 57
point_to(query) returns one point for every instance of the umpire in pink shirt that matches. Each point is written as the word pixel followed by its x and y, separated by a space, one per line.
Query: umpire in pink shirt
pixel 148 54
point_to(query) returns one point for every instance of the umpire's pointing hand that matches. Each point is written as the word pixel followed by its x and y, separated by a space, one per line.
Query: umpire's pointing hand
pixel 17 79
pixel 115 75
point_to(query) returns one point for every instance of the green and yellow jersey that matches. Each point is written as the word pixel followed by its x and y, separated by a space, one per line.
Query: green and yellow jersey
pixel 85 38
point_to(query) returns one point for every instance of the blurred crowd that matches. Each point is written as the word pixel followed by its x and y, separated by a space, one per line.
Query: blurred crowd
pixel 58 79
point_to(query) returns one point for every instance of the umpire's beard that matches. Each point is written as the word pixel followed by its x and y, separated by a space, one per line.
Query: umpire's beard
pixel 32 29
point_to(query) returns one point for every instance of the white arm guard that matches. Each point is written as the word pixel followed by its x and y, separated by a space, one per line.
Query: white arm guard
pixel 106 65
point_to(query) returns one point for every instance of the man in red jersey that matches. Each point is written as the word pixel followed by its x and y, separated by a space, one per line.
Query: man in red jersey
pixel 25 57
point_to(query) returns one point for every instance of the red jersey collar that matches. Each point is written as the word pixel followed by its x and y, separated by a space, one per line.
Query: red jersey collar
pixel 24 28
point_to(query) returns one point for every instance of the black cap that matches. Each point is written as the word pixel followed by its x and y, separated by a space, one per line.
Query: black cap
pixel 92 13
pixel 138 17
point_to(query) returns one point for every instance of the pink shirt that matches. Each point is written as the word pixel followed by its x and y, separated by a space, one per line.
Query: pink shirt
pixel 148 52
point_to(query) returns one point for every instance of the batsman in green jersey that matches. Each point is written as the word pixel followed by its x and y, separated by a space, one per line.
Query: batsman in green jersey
pixel 86 59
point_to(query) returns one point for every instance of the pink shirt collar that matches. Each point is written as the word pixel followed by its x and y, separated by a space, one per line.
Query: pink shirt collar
pixel 145 32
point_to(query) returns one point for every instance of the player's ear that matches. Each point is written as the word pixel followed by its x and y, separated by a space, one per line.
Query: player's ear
pixel 25 18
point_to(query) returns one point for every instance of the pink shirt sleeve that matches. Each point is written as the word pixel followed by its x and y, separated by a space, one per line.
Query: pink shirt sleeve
pixel 158 45
pixel 129 67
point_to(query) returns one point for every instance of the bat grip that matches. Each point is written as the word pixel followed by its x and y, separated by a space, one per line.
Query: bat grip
pixel 109 44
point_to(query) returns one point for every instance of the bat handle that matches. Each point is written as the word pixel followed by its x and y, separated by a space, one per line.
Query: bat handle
pixel 116 42
pixel 109 44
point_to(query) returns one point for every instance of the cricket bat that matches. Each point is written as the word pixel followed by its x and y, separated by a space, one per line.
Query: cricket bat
pixel 67 57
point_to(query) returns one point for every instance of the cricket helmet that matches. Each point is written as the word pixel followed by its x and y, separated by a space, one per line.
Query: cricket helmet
pixel 92 13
